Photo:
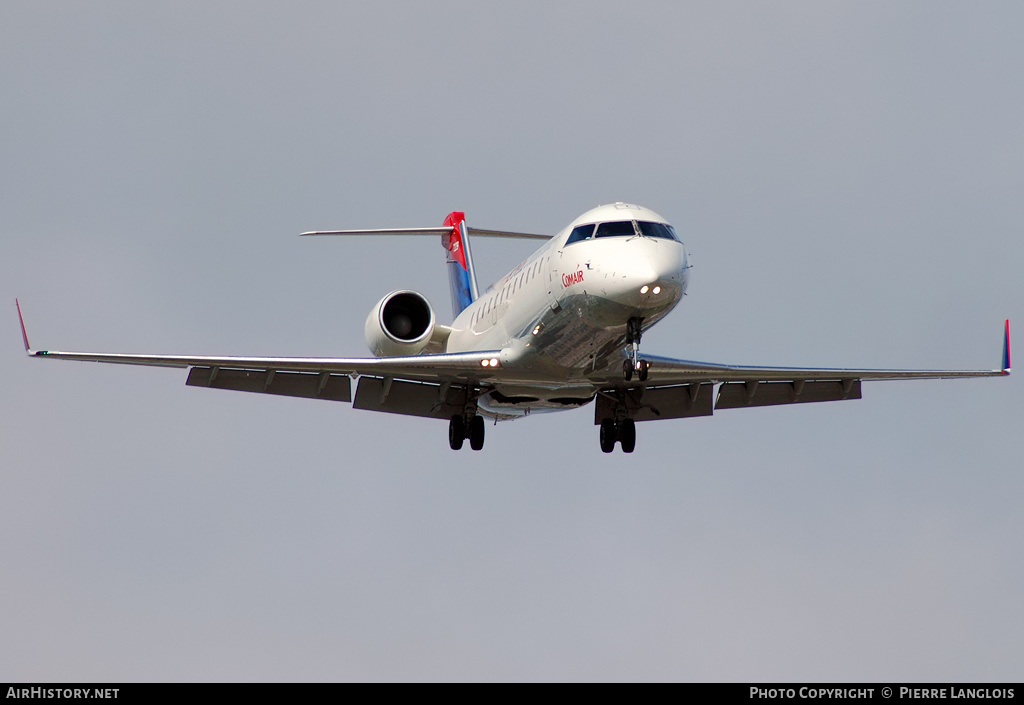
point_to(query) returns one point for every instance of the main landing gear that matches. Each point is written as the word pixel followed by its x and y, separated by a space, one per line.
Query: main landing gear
pixel 459 429
pixel 624 432
pixel 469 424
pixel 634 363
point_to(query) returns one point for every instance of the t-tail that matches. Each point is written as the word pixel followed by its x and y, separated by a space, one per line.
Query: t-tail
pixel 461 275
pixel 455 239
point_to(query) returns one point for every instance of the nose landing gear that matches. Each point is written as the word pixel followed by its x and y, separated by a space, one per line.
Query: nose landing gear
pixel 641 367
pixel 634 363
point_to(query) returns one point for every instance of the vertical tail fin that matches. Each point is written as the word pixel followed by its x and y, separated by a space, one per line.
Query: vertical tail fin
pixel 461 276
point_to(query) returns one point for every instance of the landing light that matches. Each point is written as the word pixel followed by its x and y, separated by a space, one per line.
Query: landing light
pixel 657 290
pixel 492 362
pixel 644 289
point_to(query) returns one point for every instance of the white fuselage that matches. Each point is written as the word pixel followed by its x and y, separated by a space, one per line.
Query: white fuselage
pixel 561 316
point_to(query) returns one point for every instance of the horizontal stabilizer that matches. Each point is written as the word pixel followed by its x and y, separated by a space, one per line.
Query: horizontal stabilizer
pixel 480 232
pixel 474 232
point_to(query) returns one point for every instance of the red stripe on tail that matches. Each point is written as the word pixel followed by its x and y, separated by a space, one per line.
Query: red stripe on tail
pixel 456 248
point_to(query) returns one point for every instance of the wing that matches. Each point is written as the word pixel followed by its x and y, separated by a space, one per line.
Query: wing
pixel 435 386
pixel 669 370
pixel 680 388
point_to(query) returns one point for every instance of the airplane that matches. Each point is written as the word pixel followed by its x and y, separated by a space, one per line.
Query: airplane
pixel 559 331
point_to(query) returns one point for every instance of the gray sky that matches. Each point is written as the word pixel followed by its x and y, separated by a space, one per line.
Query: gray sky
pixel 848 177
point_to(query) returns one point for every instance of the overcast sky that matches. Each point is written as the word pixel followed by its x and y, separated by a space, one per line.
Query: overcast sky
pixel 847 176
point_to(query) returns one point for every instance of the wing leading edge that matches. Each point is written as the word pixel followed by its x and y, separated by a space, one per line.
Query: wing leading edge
pixel 432 386
pixel 673 370
pixel 424 368
pixel 669 370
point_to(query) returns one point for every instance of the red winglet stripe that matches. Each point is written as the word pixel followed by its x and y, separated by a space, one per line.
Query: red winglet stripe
pixel 456 248
pixel 1006 348
pixel 21 319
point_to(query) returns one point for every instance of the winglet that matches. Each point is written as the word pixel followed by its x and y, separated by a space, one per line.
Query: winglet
pixel 24 335
pixel 1006 349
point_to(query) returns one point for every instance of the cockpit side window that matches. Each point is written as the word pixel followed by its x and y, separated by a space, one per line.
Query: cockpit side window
pixel 623 228
pixel 580 232
pixel 657 230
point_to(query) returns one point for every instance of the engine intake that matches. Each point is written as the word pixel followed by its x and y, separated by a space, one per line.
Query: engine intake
pixel 400 324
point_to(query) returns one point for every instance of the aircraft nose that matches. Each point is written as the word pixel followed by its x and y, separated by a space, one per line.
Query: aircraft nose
pixel 657 277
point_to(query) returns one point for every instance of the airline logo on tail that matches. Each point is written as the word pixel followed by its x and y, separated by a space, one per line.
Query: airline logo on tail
pixel 460 262
pixel 456 249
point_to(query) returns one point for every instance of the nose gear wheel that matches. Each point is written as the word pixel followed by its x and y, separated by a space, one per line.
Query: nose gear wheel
pixel 634 363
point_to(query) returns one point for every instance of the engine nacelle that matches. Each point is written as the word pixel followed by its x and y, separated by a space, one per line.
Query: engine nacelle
pixel 400 324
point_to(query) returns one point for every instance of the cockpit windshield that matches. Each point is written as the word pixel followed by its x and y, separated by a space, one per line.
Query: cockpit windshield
pixel 657 230
pixel 622 228
pixel 580 232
